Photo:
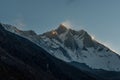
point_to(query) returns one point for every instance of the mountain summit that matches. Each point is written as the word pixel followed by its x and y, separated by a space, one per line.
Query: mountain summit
pixel 76 46
pixel 61 29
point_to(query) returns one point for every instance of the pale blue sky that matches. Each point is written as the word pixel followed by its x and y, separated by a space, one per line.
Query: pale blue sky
pixel 101 18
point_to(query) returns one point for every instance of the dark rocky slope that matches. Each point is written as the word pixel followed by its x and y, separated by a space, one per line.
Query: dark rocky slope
pixel 20 59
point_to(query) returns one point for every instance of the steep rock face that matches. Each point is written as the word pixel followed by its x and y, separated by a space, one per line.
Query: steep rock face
pixel 87 40
pixel 70 45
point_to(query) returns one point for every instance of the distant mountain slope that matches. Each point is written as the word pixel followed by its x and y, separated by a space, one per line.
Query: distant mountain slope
pixel 70 45
pixel 20 59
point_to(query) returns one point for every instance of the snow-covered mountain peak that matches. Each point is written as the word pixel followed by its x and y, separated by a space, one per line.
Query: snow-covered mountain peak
pixel 10 28
pixel 71 45
pixel 61 29
pixel 13 29
pixel 70 38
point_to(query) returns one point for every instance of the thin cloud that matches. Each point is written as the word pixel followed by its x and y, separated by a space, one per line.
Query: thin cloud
pixel 67 23
pixel 70 24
